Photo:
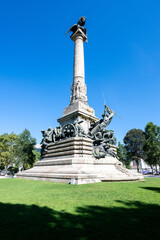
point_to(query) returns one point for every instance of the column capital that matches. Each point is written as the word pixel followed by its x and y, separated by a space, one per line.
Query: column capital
pixel 78 33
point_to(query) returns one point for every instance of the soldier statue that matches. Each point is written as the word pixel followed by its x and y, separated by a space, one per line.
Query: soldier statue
pixel 47 138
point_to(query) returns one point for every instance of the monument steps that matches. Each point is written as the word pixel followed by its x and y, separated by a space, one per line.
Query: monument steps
pixel 83 169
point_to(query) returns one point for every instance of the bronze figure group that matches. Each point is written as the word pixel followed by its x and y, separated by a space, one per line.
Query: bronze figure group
pixel 102 138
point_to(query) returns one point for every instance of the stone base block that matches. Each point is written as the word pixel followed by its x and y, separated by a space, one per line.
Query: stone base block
pixel 80 171
pixel 71 161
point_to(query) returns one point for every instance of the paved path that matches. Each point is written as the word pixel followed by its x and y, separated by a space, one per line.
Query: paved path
pixel 152 176
pixel 2 177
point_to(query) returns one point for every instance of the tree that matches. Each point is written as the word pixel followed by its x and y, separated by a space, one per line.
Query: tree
pixel 152 145
pixel 134 143
pixel 7 150
pixel 24 147
pixel 37 155
pixel 122 155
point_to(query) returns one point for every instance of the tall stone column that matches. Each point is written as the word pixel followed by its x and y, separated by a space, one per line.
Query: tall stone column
pixel 78 89
pixel 78 109
pixel 78 70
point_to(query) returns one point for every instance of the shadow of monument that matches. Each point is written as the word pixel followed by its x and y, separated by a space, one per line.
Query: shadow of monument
pixel 156 189
pixel 133 220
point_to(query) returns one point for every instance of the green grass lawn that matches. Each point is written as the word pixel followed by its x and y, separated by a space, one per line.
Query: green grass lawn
pixel 43 210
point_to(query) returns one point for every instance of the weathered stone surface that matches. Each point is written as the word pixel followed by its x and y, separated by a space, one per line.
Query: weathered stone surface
pixel 72 146
pixel 77 164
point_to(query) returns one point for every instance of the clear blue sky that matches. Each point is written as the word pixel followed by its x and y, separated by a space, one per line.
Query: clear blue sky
pixel 122 61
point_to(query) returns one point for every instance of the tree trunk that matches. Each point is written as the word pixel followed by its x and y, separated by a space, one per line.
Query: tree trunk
pixel 156 169
pixel 137 167
pixel 137 163
pixel 6 168
pixel 152 168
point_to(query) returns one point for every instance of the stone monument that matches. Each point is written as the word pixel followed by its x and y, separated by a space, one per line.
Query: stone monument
pixel 80 150
pixel 78 108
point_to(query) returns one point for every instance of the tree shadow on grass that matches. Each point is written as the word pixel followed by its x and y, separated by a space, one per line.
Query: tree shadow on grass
pixel 156 189
pixel 133 220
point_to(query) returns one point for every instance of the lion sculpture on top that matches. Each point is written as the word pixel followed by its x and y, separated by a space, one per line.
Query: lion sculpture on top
pixel 80 24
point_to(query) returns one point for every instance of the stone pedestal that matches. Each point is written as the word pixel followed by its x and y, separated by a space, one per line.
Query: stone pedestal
pixel 78 111
pixel 71 160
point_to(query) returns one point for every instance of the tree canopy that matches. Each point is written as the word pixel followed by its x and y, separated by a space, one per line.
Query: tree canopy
pixel 7 150
pixel 24 148
pixel 152 145
pixel 134 143
pixel 122 155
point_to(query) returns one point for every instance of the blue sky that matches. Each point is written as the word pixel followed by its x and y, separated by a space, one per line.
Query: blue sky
pixel 122 61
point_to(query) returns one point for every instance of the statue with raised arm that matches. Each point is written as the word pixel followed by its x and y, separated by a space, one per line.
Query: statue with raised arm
pixel 80 24
pixel 99 128
pixel 107 116
pixel 102 138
